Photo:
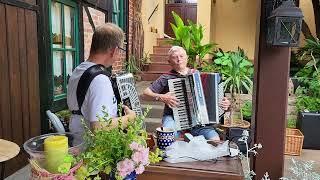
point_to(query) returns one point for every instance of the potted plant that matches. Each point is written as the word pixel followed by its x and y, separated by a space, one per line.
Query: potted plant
pixel 132 67
pixel 189 37
pixel 120 153
pixel 145 62
pixel 237 71
pixel 64 116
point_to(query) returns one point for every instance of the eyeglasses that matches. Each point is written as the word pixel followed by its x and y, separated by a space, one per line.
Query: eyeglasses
pixel 122 49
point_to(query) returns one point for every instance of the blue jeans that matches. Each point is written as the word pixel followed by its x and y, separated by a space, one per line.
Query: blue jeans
pixel 207 131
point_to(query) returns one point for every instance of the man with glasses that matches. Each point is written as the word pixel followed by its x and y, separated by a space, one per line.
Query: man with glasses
pixel 89 91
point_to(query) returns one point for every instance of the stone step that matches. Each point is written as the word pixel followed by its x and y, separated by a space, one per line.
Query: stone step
pixel 163 42
pixel 152 124
pixel 159 58
pixel 161 49
pixel 150 75
pixel 165 67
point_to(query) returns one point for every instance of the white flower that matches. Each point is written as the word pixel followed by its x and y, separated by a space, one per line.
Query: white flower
pixel 259 146
pixel 245 133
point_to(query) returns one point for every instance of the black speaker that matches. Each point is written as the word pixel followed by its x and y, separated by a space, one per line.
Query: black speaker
pixel 234 134
pixel 309 125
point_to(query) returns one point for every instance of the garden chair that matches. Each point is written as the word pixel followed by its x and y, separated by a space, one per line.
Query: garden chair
pixel 55 121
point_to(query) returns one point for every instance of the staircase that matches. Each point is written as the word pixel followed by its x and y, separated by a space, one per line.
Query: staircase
pixel 159 61
pixel 154 117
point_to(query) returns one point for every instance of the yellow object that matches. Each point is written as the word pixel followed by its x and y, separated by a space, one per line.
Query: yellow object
pixel 56 149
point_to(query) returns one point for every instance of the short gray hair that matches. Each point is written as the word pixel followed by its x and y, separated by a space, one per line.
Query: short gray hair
pixel 105 37
pixel 174 49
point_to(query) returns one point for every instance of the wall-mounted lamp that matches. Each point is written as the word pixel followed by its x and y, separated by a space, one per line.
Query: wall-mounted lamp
pixel 284 25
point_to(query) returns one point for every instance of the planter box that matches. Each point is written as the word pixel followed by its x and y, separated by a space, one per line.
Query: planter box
pixel 309 124
pixel 293 142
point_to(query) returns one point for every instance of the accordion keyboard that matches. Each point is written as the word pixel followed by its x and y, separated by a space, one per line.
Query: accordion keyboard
pixel 180 113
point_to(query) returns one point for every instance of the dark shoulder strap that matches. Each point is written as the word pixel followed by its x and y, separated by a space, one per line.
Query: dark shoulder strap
pixel 85 81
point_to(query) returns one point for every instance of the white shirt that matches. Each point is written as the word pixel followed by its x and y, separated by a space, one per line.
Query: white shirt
pixel 100 93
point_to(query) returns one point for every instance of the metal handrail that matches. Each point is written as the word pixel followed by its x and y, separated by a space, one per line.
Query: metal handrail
pixel 154 10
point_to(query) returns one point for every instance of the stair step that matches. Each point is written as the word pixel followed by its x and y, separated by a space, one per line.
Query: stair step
pixel 152 124
pixel 150 75
pixel 163 42
pixel 163 58
pixel 161 49
pixel 165 67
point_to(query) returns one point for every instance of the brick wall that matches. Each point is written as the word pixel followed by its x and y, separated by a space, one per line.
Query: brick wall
pixel 98 19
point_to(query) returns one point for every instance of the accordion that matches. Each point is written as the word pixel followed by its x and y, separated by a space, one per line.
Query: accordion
pixel 125 91
pixel 199 97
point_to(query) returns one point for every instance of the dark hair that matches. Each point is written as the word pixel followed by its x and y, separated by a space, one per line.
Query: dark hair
pixel 105 37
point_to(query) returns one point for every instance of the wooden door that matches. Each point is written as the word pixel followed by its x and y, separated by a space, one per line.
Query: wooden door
pixel 184 10
pixel 19 92
pixel 177 8
pixel 190 13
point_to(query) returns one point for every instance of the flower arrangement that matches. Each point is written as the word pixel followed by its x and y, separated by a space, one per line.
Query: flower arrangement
pixel 119 152
pixel 139 159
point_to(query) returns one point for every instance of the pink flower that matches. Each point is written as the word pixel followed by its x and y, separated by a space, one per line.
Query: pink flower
pixel 141 156
pixel 125 167
pixel 134 146
pixel 140 169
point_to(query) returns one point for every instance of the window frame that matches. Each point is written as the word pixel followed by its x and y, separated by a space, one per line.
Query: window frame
pixel 118 13
pixel 59 102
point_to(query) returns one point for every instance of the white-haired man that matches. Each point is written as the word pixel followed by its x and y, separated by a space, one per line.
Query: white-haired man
pixel 159 90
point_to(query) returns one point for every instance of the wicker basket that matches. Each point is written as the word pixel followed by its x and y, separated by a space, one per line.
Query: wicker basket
pixel 294 142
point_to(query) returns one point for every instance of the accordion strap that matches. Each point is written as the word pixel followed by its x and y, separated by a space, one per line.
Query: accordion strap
pixel 85 81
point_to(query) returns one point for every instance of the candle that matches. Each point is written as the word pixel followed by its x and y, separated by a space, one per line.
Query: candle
pixel 55 148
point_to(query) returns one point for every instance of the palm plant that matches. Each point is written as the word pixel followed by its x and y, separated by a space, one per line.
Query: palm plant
pixel 189 37
pixel 236 72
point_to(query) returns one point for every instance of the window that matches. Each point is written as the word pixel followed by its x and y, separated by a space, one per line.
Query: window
pixel 118 13
pixel 64 44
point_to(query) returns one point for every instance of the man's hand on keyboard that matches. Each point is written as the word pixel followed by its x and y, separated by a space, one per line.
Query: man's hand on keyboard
pixel 169 99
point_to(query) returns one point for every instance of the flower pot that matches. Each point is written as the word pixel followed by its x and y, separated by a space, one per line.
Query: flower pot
pixel 309 124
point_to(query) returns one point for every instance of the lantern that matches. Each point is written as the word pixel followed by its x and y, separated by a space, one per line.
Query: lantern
pixel 284 25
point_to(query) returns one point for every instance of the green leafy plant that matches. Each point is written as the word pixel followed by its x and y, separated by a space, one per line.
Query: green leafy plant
pixel 68 162
pixel 247 109
pixel 189 37
pixel 131 65
pixel 291 123
pixel 108 150
pixel 64 114
pixel 310 53
pixel 308 93
pixel 145 59
pixel 236 72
